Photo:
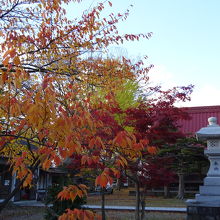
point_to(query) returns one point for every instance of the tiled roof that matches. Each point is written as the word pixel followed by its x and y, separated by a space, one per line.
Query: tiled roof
pixel 199 118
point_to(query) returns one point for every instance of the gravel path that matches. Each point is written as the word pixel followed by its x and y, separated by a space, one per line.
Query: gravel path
pixel 22 213
pixel 37 216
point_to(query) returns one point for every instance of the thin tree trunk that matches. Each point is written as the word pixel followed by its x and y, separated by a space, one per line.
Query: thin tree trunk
pixel 17 188
pixel 137 210
pixel 118 185
pixel 143 203
pixel 103 203
pixel 10 196
pixel 181 187
pixel 166 192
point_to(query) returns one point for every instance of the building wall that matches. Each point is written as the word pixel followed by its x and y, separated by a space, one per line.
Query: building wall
pixel 5 181
pixel 199 118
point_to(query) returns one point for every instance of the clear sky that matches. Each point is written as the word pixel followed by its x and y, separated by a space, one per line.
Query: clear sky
pixel 185 46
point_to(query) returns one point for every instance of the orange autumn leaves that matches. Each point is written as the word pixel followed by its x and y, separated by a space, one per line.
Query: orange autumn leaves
pixel 77 214
pixel 71 191
pixel 47 76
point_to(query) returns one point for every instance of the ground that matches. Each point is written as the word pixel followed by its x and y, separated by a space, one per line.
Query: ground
pixel 118 198
pixel 36 213
pixel 122 198
pixel 22 213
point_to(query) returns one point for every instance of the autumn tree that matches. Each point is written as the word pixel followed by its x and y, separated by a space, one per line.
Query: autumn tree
pixel 47 78
pixel 154 122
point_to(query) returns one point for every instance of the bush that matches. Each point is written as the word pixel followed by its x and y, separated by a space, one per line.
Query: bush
pixel 58 206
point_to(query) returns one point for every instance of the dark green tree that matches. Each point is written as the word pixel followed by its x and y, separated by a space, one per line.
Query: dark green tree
pixel 186 157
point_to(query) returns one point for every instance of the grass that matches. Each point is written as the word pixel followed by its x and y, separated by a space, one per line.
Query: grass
pixel 111 215
pixel 122 198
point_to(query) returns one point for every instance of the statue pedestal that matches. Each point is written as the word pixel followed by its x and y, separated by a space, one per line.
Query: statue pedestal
pixel 203 210
pixel 206 205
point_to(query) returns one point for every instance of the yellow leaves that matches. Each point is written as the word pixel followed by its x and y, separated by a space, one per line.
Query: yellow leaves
pixel 34 113
pixel 40 111
pixel 17 61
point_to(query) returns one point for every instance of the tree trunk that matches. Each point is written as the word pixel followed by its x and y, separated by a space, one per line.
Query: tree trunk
pixel 17 188
pixel 103 203
pixel 166 192
pixel 118 184
pixel 10 196
pixel 137 210
pixel 181 187
pixel 143 203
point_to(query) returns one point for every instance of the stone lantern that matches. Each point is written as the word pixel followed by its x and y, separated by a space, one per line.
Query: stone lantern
pixel 206 204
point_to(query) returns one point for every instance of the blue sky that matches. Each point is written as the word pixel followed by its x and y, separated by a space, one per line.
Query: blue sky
pixel 185 46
